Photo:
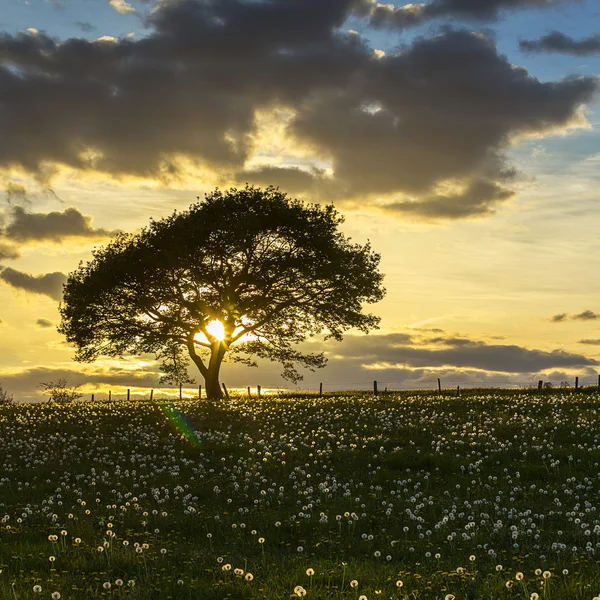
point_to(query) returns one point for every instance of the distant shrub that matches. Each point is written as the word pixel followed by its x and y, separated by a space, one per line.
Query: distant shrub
pixel 60 392
pixel 4 396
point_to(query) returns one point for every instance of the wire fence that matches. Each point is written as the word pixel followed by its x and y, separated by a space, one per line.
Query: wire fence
pixel 374 386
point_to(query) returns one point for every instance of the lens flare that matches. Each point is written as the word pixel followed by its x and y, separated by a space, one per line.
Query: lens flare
pixel 181 423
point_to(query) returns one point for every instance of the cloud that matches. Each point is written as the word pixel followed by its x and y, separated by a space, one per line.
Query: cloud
pixel 586 315
pixel 559 318
pixel 122 7
pixel 8 252
pixel 479 199
pixel 401 17
pixel 58 4
pixel 52 226
pixel 191 89
pixel 416 361
pixel 24 384
pixel 396 360
pixel 50 284
pixel 15 191
pixel 391 351
pixel 44 323
pixel 559 42
pixel 85 26
pixel 594 342
pixel 107 39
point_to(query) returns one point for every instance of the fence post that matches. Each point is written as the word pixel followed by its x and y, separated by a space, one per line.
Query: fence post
pixel 540 385
pixel 576 383
pixel 180 391
pixel 249 395
pixel 439 386
pixel 128 393
pixel 375 388
pixel 92 397
pixel 321 387
pixel 258 388
pixel 151 394
pixel 199 392
pixel 458 390
pixel 110 393
pixel 225 390
pixel 599 383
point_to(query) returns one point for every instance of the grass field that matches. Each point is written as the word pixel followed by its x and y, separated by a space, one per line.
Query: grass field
pixel 490 495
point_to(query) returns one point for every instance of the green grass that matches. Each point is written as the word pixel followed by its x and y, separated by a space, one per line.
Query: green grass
pixel 335 484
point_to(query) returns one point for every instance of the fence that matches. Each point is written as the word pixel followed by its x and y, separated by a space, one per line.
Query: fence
pixel 379 386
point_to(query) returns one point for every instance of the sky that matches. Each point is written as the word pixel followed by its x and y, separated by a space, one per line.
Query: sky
pixel 461 137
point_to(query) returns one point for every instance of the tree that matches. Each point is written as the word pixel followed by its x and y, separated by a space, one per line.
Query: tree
pixel 245 273
pixel 5 398
pixel 60 392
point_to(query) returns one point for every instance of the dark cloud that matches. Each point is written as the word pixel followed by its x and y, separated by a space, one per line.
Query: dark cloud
pixel 24 384
pixel 595 342
pixel 559 42
pixel 559 318
pixel 43 323
pixel 461 353
pixel 442 111
pixel 52 226
pixel 391 16
pixel 85 26
pixel 393 133
pixel 406 361
pixel 50 284
pixel 586 315
pixel 480 198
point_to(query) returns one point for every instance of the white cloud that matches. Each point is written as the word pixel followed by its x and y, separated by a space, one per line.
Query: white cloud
pixel 122 7
pixel 107 38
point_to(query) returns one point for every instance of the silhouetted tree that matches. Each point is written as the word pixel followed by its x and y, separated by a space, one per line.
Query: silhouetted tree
pixel 272 270
pixel 5 397
pixel 60 391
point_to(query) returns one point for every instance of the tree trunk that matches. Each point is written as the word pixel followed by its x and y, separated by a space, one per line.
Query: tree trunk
pixel 210 373
pixel 211 379
pixel 213 387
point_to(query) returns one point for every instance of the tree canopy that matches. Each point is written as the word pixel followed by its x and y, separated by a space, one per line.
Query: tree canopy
pixel 271 270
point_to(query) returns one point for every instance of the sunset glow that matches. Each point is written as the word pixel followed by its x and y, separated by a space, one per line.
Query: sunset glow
pixel 461 138
pixel 216 329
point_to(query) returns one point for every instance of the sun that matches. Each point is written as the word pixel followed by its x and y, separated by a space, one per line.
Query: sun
pixel 216 329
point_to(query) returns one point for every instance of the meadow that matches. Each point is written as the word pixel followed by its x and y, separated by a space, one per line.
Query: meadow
pixel 408 496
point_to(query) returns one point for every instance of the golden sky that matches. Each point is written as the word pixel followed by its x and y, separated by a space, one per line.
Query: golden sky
pixel 464 145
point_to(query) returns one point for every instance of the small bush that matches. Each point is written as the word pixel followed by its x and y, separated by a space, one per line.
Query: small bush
pixel 59 392
pixel 4 396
